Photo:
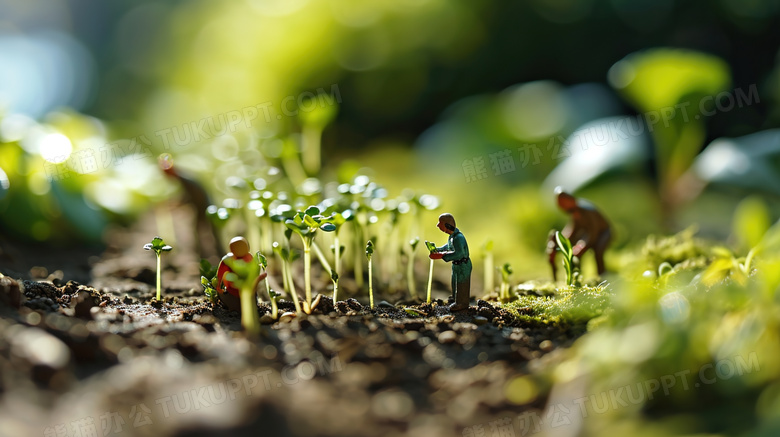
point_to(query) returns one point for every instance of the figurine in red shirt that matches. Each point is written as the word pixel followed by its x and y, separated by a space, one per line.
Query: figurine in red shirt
pixel 228 294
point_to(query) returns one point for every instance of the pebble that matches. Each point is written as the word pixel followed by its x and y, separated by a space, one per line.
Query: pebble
pixel 448 337
pixel 546 345
pixel 266 319
pixel 287 317
pixel 479 320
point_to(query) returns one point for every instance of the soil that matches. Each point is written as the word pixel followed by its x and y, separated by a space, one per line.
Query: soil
pixel 110 358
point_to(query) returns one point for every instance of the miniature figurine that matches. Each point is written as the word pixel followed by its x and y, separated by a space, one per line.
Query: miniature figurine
pixel 195 195
pixel 456 251
pixel 588 229
pixel 229 294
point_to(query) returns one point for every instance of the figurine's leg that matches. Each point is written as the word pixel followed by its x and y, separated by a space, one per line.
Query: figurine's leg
pixel 464 293
pixel 454 283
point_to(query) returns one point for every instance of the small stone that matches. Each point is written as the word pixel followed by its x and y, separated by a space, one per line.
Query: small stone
pixel 448 337
pixel 287 317
pixel 479 320
pixel 266 319
pixel 386 304
pixel 546 346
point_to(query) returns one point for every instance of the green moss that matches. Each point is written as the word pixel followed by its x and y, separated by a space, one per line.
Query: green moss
pixel 544 304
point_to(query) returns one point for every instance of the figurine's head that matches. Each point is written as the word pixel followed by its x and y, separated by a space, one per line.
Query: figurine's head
pixel 566 201
pixel 239 247
pixel 446 223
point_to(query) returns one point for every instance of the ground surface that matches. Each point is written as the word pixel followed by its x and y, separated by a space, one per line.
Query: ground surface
pixel 110 360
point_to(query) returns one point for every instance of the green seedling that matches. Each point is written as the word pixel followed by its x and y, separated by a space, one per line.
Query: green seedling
pixel 274 307
pixel 335 278
pixel 262 261
pixel 245 276
pixel 564 245
pixel 305 224
pixel 337 219
pixel 288 256
pixel 410 267
pixel 369 254
pixel 506 271
pixel 490 283
pixel 208 279
pixel 431 249
pixel 158 246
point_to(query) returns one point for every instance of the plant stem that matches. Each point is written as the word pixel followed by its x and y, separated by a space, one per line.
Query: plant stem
pixel 288 273
pixel 337 253
pixel 321 256
pixel 274 308
pixel 410 275
pixel 158 276
pixel 249 318
pixel 430 281
pixel 335 291
pixel 489 272
pixel 307 270
pixel 370 286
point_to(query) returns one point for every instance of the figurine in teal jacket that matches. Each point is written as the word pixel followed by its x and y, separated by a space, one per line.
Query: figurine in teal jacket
pixel 455 251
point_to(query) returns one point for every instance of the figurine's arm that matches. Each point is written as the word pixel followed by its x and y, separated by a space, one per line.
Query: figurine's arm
pixel 260 277
pixel 459 249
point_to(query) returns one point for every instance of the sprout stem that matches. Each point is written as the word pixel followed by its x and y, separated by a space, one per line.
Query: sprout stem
pixel 307 270
pixel 158 276
pixel 430 281
pixel 249 318
pixel 410 275
pixel 370 286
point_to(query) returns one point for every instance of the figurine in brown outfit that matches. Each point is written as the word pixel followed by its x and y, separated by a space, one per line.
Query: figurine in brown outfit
pixel 587 229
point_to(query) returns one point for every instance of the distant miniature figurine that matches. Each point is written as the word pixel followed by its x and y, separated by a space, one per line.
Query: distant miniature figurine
pixel 227 292
pixel 195 195
pixel 456 251
pixel 588 229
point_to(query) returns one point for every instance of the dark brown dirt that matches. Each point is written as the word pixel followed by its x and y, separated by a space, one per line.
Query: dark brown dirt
pixel 110 358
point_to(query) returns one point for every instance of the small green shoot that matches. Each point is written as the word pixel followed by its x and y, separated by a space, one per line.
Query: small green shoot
pixel 208 279
pixel 506 271
pixel 158 246
pixel 369 254
pixel 305 224
pixel 410 268
pixel 262 261
pixel 274 308
pixel 335 278
pixel 568 256
pixel 288 256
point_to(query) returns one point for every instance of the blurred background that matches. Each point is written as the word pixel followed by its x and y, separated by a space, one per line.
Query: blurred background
pixel 660 112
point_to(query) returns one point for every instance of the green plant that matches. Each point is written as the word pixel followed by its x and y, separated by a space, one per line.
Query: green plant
pixel 288 256
pixel 274 307
pixel 262 261
pixel 337 219
pixel 305 224
pixel 158 246
pixel 506 271
pixel 335 278
pixel 369 254
pixel 431 249
pixel 410 267
pixel 568 256
pixel 208 279
pixel 245 276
